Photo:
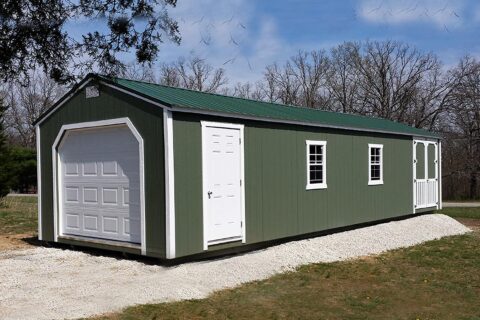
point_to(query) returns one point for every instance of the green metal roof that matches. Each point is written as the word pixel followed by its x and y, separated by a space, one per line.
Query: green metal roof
pixel 208 102
pixel 180 99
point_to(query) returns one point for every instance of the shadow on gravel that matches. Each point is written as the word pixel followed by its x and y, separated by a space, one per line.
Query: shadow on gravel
pixel 33 241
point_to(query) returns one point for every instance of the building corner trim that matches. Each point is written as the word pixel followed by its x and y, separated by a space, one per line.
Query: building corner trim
pixel 169 184
pixel 39 183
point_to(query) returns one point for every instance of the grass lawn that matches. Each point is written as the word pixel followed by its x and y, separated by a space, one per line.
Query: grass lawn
pixel 18 215
pixel 471 213
pixel 436 280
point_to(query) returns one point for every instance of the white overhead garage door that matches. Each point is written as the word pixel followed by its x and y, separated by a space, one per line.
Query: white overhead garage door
pixel 100 184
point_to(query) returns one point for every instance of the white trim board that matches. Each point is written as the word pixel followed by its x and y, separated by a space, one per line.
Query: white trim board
pixel 57 194
pixel 239 127
pixel 169 184
pixel 39 183
pixel 439 185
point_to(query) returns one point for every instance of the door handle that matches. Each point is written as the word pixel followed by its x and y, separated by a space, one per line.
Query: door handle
pixel 209 194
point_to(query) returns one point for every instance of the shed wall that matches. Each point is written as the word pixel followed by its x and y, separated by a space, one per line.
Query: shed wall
pixel 148 119
pixel 277 203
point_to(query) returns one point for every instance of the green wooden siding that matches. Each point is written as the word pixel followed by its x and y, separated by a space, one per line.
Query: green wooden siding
pixel 431 161
pixel 277 204
pixel 148 119
pixel 420 154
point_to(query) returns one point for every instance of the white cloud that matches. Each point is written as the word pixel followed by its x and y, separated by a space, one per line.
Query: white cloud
pixel 443 14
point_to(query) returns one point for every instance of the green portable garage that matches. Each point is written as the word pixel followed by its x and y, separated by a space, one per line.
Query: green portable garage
pixel 167 172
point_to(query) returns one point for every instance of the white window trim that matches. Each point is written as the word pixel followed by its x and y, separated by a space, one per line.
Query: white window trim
pixel 370 181
pixel 314 186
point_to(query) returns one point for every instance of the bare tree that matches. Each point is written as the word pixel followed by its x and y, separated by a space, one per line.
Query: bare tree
pixel 343 80
pixel 391 73
pixel 26 103
pixel 249 91
pixel 193 73
pixel 135 71
pixel 310 71
pixel 463 121
pixel 169 75
pixel 283 84
pixel 300 81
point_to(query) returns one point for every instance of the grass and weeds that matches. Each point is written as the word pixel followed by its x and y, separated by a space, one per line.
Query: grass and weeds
pixel 436 280
pixel 469 213
pixel 18 215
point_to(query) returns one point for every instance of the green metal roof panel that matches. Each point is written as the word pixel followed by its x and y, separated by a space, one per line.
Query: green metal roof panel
pixel 208 102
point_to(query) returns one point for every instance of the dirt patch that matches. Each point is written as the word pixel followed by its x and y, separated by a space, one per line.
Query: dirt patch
pixel 473 224
pixel 15 241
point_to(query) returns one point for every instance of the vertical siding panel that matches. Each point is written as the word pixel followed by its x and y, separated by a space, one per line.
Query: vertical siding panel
pixel 188 186
pixel 253 185
pixel 277 203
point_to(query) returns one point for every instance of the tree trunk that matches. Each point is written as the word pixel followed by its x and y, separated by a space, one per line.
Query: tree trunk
pixel 473 185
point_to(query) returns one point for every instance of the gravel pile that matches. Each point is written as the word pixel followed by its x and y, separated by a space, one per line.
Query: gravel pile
pixel 47 283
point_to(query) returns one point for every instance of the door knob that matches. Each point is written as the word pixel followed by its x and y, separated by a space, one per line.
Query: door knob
pixel 209 194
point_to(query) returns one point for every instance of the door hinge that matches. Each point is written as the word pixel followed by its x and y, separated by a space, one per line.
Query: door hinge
pixel 240 182
pixel 241 224
pixel 239 140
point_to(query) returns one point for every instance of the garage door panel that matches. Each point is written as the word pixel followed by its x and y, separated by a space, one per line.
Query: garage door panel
pixel 101 184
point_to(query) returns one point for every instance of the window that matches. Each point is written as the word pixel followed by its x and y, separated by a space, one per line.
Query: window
pixel 316 164
pixel 375 164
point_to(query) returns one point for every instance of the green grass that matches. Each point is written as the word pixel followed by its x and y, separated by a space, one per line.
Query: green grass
pixel 471 213
pixel 18 215
pixel 436 280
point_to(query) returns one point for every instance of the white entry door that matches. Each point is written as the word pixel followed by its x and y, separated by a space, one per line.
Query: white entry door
pixel 100 184
pixel 222 182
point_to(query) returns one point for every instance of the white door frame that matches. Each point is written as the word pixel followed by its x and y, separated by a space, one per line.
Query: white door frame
pixel 437 161
pixel 239 127
pixel 57 176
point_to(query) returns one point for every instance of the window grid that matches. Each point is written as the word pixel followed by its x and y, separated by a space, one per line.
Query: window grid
pixel 375 174
pixel 316 167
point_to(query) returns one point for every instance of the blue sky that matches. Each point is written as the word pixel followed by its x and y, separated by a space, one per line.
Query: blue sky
pixel 243 36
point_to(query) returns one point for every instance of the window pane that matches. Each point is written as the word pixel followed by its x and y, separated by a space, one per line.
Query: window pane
pixel 375 172
pixel 316 173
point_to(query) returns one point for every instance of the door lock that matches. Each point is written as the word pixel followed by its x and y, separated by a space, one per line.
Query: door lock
pixel 209 194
